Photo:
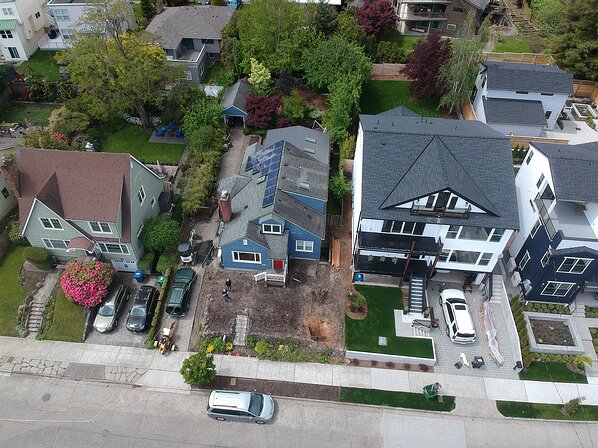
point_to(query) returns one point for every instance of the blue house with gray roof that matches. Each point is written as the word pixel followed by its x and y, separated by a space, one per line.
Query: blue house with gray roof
pixel 274 209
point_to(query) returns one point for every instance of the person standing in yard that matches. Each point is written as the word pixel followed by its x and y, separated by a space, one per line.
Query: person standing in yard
pixel 225 295
pixel 229 284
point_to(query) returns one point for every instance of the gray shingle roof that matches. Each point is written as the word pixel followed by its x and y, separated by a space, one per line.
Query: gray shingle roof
pixel 236 95
pixel 508 111
pixel 514 76
pixel 296 135
pixel 574 170
pixel 399 112
pixel 406 158
pixel 298 170
pixel 192 22
pixel 295 211
pixel 278 245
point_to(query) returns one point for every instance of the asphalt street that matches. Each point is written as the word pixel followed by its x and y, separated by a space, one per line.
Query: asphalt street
pixel 59 413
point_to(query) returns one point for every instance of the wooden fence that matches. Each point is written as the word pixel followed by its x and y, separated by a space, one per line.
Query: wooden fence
pixel 523 141
pixel 529 58
pixel 585 89
pixel 467 111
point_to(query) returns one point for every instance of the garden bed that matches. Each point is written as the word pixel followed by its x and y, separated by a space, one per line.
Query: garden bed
pixel 552 332
pixel 591 312
pixel 552 308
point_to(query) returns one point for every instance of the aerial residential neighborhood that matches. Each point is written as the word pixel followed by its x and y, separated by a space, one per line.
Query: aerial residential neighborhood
pixel 298 223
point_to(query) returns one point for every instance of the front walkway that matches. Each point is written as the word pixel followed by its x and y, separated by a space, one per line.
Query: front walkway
pixel 142 367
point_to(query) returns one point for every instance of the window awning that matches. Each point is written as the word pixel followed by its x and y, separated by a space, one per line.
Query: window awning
pixel 81 243
pixel 8 24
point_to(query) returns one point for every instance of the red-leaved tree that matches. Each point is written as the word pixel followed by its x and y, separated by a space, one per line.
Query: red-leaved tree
pixel 424 63
pixel 261 111
pixel 376 16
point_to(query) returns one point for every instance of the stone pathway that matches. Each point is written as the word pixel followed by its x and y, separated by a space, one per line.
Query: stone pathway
pixel 33 366
pixel 38 304
pixel 241 328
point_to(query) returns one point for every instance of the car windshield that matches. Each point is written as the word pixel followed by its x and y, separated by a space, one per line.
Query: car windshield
pixel 138 311
pixel 106 311
pixel 256 404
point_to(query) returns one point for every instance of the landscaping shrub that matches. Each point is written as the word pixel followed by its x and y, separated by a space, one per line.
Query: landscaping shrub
pixel 39 257
pixel 167 260
pixel 68 122
pixel 44 138
pixel 155 324
pixel 339 186
pixel 390 52
pixel 87 282
pixel 292 106
pixel 198 368
pixel 215 345
pixel 289 351
pixel 14 233
pixel 160 233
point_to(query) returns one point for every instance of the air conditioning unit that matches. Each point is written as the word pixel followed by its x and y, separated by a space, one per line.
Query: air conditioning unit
pixel 511 264
pixel 515 279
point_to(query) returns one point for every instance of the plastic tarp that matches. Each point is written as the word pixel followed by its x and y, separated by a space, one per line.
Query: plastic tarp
pixel 491 333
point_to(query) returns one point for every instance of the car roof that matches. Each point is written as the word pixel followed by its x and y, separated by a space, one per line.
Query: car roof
pixel 230 399
pixel 185 274
pixel 144 293
pixel 113 294
pixel 453 294
pixel 176 296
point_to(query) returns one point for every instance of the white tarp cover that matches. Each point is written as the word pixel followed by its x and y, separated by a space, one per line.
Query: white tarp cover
pixel 491 333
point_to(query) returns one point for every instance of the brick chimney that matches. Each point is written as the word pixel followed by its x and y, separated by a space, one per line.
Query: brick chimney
pixel 8 167
pixel 159 6
pixel 226 211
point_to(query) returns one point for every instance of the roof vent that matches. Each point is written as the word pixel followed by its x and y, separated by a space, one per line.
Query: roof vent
pixel 383 143
pixel 309 150
pixel 286 164
pixel 304 185
pixel 311 140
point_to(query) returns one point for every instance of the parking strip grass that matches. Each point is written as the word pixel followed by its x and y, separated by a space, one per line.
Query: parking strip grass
pixel 40 65
pixel 133 140
pixel 379 96
pixel 545 411
pixel 68 320
pixel 362 335
pixel 551 371
pixel 11 293
pixel 36 115
pixel 407 400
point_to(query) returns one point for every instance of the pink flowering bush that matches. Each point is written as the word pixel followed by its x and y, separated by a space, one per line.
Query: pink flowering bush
pixel 86 282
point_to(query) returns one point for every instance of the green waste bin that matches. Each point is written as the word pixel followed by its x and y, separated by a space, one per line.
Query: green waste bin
pixel 160 280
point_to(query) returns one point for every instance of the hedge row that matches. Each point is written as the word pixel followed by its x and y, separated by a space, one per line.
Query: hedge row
pixel 156 320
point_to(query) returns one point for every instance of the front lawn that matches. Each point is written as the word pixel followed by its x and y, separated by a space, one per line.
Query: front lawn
pixel 11 293
pixel 362 335
pixel 379 96
pixel 67 322
pixel 41 65
pixel 133 140
pixel 551 371
pixel 406 42
pixel 544 411
pixel 396 399
pixel 513 46
pixel 36 115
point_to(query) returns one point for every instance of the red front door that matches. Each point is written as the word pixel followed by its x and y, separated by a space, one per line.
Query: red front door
pixel 278 265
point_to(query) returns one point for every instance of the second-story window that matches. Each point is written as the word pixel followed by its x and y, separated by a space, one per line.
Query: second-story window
pixel 51 223
pixel 61 14
pixel 6 34
pixel 272 228
pixel 100 227
pixel 8 12
pixel 141 195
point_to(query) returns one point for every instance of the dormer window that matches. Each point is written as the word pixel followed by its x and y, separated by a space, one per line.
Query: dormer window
pixel 272 228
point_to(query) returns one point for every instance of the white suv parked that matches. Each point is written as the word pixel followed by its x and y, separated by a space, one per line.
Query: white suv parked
pixel 459 326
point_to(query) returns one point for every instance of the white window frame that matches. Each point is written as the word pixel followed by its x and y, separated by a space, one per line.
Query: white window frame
pixel 577 260
pixel 545 259
pixel 141 195
pixel 524 260
pixel 153 201
pixel 124 250
pixel 271 229
pixel 304 246
pixel 529 157
pixel 557 288
pixel 237 258
pixel 14 52
pixel 61 14
pixel 101 226
pixel 8 11
pixel 6 34
pixel 535 229
pixel 494 233
pixel 140 229
pixel 48 243
pixel 188 75
pixel 55 223
pixel 541 180
pixel 484 259
pixel 402 231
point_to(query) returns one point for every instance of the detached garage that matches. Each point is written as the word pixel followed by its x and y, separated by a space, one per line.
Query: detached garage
pixel 233 102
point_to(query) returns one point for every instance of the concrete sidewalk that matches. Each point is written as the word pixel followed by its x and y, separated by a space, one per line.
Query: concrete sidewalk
pixel 142 367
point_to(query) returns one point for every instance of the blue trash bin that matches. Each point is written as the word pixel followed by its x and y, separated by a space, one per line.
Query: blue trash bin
pixel 138 275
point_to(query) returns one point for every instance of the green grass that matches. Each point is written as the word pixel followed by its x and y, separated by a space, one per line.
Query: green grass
pixel 513 46
pixel 545 411
pixel 379 96
pixel 68 320
pixel 36 115
pixel 11 293
pixel 41 65
pixel 396 399
pixel 406 42
pixel 131 139
pixel 551 371
pixel 362 335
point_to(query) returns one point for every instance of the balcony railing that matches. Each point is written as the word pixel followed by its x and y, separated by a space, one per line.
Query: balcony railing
pixel 441 212
pixel 57 43
pixel 418 12
pixel 544 216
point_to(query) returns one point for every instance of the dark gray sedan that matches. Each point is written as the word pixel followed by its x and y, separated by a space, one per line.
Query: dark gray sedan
pixel 142 311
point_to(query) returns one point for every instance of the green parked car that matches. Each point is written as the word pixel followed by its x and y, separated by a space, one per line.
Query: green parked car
pixel 179 296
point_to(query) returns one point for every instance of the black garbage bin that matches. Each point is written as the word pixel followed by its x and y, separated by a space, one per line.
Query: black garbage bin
pixel 477 362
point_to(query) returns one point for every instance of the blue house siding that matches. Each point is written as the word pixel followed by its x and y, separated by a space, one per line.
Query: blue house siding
pixel 238 246
pixel 234 112
pixel 297 233
pixel 316 204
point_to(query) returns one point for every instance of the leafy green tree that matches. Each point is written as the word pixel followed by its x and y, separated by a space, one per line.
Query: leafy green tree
pixel 348 28
pixel 260 78
pixel 339 186
pixel 203 123
pixel 125 71
pixel 148 9
pixel 460 72
pixel 390 52
pixel 292 105
pixel 231 51
pixel 168 259
pixel 199 368
pixel 321 17
pixel 344 104
pixel 160 233
pixel 44 138
pixel 575 44
pixel 68 122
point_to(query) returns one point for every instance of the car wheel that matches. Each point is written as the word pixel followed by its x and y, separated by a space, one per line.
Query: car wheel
pixel 220 419
pixel 448 333
pixel 440 301
pixel 260 422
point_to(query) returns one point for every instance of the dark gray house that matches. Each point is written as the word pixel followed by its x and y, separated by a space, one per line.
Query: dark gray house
pixel 191 36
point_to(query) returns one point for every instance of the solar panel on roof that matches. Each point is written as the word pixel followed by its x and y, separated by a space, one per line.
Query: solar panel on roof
pixel 266 162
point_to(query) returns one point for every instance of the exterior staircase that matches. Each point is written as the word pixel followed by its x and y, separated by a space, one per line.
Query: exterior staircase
pixel 240 330
pixel 37 306
pixel 416 295
pixel 420 330
pixel 497 288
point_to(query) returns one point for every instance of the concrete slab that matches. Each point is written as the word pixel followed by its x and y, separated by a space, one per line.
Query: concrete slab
pixel 509 390
pixel 171 361
pixel 417 380
pixel 386 379
pixel 461 386
pixel 275 371
pixel 159 379
pixel 85 371
pixel 314 373
pixel 239 366
pixel 351 377
pixel 540 392
pixel 399 432
pixel 568 391
pixel 100 354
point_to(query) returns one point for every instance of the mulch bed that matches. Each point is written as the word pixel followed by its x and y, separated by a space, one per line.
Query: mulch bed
pixel 552 332
pixel 276 388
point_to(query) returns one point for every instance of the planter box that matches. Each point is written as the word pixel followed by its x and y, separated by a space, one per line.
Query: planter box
pixel 535 346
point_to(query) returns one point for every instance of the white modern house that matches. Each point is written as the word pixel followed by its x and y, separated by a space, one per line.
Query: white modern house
pixel 555 251
pixel 21 27
pixel 430 195
pixel 521 99
pixel 63 17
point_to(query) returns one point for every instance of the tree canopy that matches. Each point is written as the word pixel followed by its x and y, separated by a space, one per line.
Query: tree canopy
pixel 424 64
pixel 376 16
pixel 160 233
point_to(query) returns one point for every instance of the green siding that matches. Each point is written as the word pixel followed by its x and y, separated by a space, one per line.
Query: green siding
pixel 6 204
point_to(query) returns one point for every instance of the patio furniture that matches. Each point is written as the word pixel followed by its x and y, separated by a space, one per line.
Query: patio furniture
pixel 160 132
pixel 178 133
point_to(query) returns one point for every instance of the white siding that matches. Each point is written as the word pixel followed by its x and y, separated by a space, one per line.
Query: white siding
pixel 591 213
pixel 357 185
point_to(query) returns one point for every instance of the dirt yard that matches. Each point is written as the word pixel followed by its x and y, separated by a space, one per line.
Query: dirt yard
pixel 310 308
